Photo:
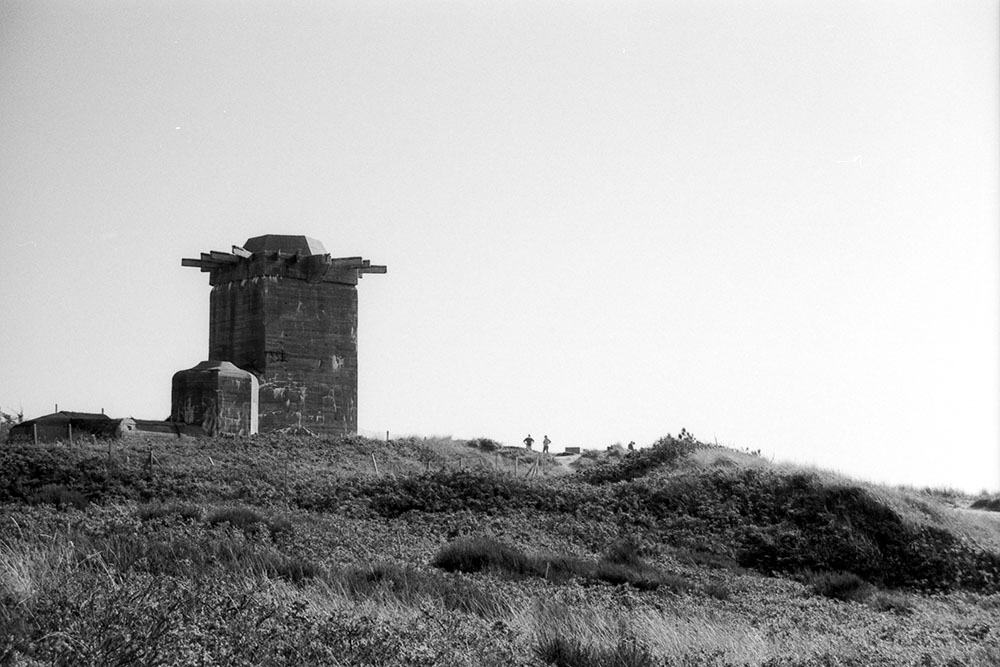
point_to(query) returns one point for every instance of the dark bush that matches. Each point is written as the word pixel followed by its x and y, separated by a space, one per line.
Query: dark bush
pixel 410 585
pixel 243 518
pixel 889 601
pixel 485 444
pixel 717 590
pixel 563 652
pixel 472 490
pixel 294 569
pixel 844 586
pixel 153 511
pixel 664 453
pixel 991 504
pixel 60 496
pixel 626 551
pixel 708 559
pixel 475 554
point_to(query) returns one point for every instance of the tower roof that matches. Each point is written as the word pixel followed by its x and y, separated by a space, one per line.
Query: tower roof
pixel 298 257
pixel 290 244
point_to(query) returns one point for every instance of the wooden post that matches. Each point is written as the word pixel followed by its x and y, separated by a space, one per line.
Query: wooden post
pixel 516 459
pixel 375 463
pixel 69 425
pixel 387 436
pixel 34 433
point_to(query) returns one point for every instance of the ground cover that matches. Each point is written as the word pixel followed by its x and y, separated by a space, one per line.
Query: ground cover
pixel 295 550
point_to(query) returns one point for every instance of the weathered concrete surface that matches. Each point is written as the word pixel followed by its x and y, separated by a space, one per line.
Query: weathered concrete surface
pixel 291 319
pixel 218 396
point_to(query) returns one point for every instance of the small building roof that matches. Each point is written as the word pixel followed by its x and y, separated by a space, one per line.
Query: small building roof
pixel 67 415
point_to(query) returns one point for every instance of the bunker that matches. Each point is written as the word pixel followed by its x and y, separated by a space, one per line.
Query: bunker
pixel 285 311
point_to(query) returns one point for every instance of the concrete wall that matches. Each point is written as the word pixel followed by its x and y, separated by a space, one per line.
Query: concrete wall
pixel 218 396
pixel 300 339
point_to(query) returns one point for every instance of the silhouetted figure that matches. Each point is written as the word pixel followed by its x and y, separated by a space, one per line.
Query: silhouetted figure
pixel 545 444
pixel 631 445
pixel 528 442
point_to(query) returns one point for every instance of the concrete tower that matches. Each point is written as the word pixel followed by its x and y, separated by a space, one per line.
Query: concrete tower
pixel 284 310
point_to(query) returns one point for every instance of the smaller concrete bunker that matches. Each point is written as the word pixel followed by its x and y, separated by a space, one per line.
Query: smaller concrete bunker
pixel 217 396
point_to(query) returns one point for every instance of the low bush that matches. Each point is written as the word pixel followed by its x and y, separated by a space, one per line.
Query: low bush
pixel 664 453
pixel 844 586
pixel 247 520
pixel 152 511
pixel 891 601
pixel 485 444
pixel 717 590
pixel 568 652
pixel 60 496
pixel 409 585
pixel 243 518
pixel 476 554
pixel 987 503
pixel 704 558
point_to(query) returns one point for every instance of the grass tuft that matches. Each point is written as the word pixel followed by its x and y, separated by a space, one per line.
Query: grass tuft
pixel 570 652
pixel 476 554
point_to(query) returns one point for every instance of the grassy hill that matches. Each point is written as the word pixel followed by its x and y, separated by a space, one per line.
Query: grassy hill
pixel 283 550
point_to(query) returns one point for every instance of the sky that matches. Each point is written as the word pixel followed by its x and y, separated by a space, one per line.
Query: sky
pixel 774 224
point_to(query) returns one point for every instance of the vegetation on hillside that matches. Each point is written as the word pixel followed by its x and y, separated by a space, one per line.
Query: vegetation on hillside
pixel 295 550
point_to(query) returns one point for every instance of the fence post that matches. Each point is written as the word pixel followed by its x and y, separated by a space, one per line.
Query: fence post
pixel 69 425
pixel 516 459
pixel 375 463
pixel 34 433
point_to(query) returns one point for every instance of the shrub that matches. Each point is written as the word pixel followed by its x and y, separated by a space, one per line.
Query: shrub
pixel 562 652
pixel 708 559
pixel 890 601
pixel 410 585
pixel 280 527
pixel 294 569
pixel 60 496
pixel 153 511
pixel 664 453
pixel 844 586
pixel 717 590
pixel 475 554
pixel 485 444
pixel 243 518
pixel 643 578
pixel 987 503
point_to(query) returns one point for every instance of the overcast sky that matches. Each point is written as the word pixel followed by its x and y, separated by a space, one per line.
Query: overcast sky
pixel 774 224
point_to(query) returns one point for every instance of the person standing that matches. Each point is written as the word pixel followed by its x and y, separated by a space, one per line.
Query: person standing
pixel 528 442
pixel 545 444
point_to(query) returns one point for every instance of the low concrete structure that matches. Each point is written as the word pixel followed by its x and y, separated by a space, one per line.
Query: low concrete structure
pixel 217 396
